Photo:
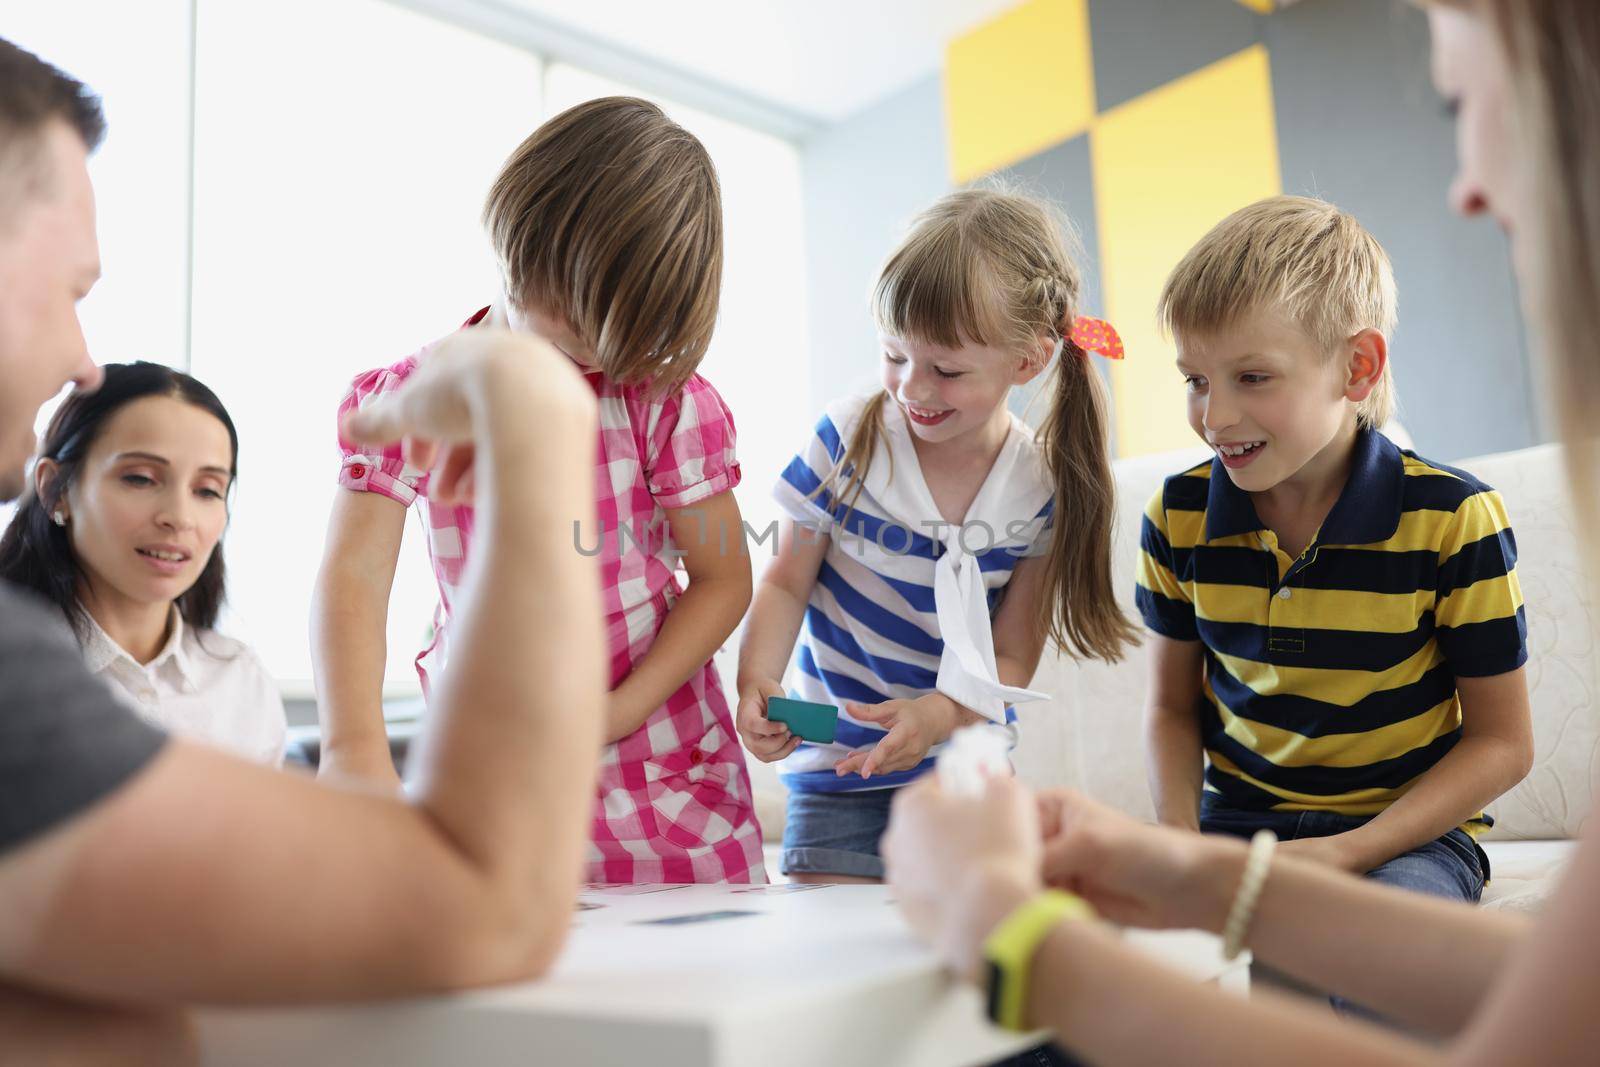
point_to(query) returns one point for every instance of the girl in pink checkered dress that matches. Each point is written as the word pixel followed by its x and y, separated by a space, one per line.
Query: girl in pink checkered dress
pixel 607 223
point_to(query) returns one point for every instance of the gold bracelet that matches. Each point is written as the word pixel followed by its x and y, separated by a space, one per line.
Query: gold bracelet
pixel 1249 891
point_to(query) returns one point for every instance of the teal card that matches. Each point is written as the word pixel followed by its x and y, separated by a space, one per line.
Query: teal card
pixel 814 722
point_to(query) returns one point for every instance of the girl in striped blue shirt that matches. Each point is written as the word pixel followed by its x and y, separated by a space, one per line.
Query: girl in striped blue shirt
pixel 933 541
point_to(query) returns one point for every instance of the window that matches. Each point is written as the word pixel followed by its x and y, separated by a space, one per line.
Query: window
pixel 290 197
pixel 343 150
pixel 141 173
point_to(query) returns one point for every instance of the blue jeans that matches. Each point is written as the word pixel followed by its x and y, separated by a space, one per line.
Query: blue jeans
pixel 836 833
pixel 1452 866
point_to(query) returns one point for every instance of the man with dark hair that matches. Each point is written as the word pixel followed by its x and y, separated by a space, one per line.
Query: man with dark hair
pixel 48 125
pixel 138 870
pixel 36 92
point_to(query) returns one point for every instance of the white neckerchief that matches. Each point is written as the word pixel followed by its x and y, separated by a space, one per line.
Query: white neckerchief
pixel 1016 488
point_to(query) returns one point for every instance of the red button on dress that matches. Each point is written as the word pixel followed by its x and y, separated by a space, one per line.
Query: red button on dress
pixel 696 757
pixel 358 471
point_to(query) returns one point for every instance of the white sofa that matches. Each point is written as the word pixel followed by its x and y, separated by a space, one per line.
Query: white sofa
pixel 1089 734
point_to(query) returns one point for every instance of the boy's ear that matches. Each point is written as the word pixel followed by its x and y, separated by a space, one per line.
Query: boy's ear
pixel 1368 356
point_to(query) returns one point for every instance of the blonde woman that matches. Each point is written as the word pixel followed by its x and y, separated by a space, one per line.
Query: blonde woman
pixel 1500 989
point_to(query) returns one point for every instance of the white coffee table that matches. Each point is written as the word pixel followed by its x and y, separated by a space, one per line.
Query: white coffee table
pixel 824 975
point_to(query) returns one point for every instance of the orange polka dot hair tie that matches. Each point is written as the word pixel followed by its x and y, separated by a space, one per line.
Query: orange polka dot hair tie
pixel 1097 335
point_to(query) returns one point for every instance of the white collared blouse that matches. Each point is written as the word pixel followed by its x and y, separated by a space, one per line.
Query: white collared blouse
pixel 201 686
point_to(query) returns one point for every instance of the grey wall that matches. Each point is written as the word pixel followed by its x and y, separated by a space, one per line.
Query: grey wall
pixel 1357 123
pixel 1360 124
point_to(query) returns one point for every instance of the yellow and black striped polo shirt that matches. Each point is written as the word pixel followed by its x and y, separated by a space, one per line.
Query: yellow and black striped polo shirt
pixel 1330 679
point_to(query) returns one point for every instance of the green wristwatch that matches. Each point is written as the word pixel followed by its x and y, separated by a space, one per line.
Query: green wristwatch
pixel 1009 949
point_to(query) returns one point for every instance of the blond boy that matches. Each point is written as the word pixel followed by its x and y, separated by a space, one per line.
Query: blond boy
pixel 1337 623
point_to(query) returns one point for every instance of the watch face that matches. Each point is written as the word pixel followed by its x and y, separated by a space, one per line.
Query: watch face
pixel 993 979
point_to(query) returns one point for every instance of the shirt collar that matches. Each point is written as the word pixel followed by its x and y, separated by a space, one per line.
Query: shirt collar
pixel 1367 511
pixel 100 652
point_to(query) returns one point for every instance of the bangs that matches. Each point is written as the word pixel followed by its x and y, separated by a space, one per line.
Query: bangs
pixel 940 290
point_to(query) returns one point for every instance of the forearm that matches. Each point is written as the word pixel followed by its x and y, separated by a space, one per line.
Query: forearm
pixel 1459 786
pixel 1011 668
pixel 776 615
pixel 1425 961
pixel 38 1029
pixel 1016 670
pixel 1109 1004
pixel 508 760
pixel 348 654
pixel 695 628
pixel 469 879
pixel 1176 765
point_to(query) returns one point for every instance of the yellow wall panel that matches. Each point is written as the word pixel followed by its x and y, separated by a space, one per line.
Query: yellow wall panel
pixel 1018 85
pixel 1168 166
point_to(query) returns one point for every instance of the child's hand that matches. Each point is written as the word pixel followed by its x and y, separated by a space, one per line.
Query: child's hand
pixel 1134 873
pixel 767 741
pixel 914 727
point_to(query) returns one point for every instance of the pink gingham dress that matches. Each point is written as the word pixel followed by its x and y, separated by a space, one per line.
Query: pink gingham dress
pixel 673 802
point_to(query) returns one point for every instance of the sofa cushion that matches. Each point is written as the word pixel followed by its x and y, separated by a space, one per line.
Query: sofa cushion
pixel 1525 872
pixel 1555 798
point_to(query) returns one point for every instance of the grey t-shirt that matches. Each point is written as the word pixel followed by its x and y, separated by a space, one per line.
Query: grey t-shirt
pixel 65 743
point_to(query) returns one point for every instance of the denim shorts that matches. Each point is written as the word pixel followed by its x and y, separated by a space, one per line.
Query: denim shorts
pixel 836 833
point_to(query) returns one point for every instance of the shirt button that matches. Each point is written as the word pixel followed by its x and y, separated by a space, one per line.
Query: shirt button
pixel 1283 594
pixel 358 471
pixel 697 757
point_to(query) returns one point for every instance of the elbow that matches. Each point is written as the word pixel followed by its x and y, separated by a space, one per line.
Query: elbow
pixel 740 591
pixel 735 591
pixel 168 1039
pixel 1160 716
pixel 504 942
pixel 524 952
pixel 1520 758
pixel 1505 760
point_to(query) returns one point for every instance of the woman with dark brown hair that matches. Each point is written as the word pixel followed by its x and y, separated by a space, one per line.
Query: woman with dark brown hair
pixel 122 533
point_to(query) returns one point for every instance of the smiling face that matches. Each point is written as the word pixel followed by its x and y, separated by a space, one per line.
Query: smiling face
pixel 150 501
pixel 948 393
pixel 1269 402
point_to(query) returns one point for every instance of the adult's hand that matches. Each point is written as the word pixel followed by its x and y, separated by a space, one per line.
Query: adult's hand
pixel 1132 873
pixel 440 413
pixel 960 864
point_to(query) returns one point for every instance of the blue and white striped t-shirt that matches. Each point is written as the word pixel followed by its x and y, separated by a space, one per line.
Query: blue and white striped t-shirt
pixel 871 630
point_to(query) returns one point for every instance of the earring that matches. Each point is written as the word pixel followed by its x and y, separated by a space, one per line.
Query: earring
pixel 59 517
